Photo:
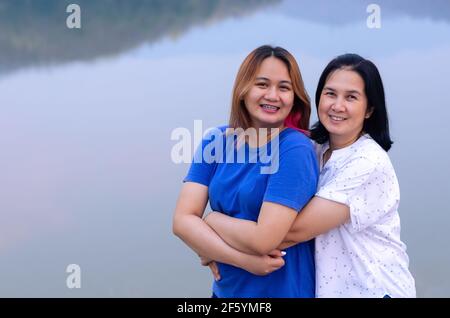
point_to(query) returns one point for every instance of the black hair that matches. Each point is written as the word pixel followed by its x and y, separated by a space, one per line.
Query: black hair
pixel 377 125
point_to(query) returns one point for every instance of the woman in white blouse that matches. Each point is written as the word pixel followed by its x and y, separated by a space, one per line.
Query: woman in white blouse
pixel 353 216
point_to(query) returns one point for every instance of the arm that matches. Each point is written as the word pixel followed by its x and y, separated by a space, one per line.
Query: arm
pixel 329 208
pixel 259 237
pixel 287 191
pixel 188 225
pixel 317 217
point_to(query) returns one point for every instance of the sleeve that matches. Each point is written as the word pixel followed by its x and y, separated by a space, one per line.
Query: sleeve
pixel 365 188
pixel 206 157
pixel 295 181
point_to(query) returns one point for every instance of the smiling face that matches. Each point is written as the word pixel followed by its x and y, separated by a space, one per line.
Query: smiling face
pixel 271 97
pixel 343 107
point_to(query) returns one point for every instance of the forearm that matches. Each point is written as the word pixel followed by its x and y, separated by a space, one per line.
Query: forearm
pixel 240 234
pixel 204 241
pixel 297 234
pixel 317 217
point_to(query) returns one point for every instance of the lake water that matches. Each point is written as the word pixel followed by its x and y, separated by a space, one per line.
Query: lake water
pixel 86 118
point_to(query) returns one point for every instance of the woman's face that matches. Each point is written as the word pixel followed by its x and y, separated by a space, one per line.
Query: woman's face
pixel 343 106
pixel 271 97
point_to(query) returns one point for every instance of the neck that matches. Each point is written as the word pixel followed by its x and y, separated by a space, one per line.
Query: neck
pixel 337 143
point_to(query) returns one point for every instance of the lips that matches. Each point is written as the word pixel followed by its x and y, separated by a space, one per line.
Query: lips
pixel 269 108
pixel 337 118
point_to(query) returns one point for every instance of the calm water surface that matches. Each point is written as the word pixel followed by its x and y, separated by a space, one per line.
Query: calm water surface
pixel 86 117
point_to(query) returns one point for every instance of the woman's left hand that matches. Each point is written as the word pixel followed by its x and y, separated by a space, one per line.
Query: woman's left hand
pixel 215 270
pixel 205 261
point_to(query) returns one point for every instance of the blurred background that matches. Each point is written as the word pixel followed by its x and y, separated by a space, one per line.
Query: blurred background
pixel 86 117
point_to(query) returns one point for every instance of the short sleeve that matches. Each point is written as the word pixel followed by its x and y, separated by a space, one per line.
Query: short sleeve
pixel 365 188
pixel 295 182
pixel 206 157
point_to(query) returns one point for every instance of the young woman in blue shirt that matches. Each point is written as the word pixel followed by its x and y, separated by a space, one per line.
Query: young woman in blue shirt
pixel 270 100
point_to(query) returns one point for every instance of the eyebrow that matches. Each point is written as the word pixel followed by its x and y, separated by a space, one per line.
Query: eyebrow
pixel 349 92
pixel 268 80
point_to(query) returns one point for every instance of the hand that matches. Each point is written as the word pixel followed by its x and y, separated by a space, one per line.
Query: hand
pixel 264 265
pixel 215 270
pixel 205 261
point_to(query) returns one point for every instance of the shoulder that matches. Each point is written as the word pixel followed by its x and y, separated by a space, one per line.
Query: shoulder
pixel 298 149
pixel 290 138
pixel 368 150
pixel 214 133
pixel 222 128
pixel 366 156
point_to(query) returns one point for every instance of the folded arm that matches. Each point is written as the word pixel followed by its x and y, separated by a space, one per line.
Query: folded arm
pixel 317 217
pixel 259 237
pixel 189 226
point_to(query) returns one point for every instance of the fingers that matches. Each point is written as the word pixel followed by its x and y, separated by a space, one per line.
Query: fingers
pixel 277 253
pixel 275 263
pixel 278 263
pixel 215 270
pixel 272 263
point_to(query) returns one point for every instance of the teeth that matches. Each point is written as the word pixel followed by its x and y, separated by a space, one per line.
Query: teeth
pixel 269 107
pixel 337 118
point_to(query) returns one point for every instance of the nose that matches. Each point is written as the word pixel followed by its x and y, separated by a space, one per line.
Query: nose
pixel 272 94
pixel 338 105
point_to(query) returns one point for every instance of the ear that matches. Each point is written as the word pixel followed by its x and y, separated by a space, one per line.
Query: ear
pixel 369 113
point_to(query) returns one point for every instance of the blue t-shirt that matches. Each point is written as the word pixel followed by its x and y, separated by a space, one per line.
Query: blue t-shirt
pixel 239 187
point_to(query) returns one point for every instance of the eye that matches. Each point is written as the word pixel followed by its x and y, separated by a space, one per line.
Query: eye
pixel 285 88
pixel 329 93
pixel 261 84
pixel 352 97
